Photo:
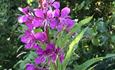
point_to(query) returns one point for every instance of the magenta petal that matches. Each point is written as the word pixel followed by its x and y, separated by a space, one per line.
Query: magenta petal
pixel 40 51
pixel 50 46
pixel 53 23
pixel 41 36
pixel 51 1
pixel 30 26
pixel 24 10
pixel 27 37
pixel 56 12
pixel 70 24
pixel 60 27
pixel 22 19
pixel 37 23
pixel 40 59
pixel 56 5
pixel 63 21
pixel 24 39
pixel 53 57
pixel 61 57
pixel 30 67
pixel 65 11
pixel 49 14
pixel 36 46
pixel 28 46
pixel 39 13
pixel 57 50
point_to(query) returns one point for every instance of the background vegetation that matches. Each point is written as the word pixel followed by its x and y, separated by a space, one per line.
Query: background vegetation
pixel 98 41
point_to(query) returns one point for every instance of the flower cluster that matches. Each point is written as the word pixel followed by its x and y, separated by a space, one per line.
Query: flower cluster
pixel 47 16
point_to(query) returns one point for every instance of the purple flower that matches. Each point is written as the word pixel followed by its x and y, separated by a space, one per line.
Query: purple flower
pixel 27 19
pixel 40 59
pixel 56 5
pixel 30 67
pixel 24 10
pixel 42 18
pixel 39 13
pixel 53 23
pixel 53 3
pixel 47 15
pixel 65 12
pixel 51 53
pixel 29 39
pixel 37 22
pixel 22 19
pixel 41 36
pixel 62 19
pixel 56 12
pixel 50 15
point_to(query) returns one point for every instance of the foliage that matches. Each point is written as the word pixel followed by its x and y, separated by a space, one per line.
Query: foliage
pixel 9 41
pixel 99 37
pixel 29 58
pixel 88 64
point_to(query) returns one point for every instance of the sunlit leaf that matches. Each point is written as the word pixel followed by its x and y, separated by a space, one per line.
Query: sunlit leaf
pixel 71 47
pixel 92 61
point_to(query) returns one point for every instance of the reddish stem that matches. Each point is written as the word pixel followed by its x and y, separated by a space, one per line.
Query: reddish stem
pixel 40 2
pixel 47 33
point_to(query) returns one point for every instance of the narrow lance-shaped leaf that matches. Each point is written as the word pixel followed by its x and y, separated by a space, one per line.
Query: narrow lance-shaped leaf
pixel 71 47
pixel 92 61
pixel 81 6
pixel 85 21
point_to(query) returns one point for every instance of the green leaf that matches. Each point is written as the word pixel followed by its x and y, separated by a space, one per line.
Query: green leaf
pixel 78 26
pixel 81 6
pixel 38 30
pixel 88 63
pixel 52 66
pixel 101 27
pixel 20 61
pixel 71 48
pixel 95 41
pixel 113 27
pixel 91 32
pixel 113 38
pixel 19 48
pixel 59 65
pixel 85 21
pixel 60 39
pixel 92 61
pixel 29 2
pixel 28 58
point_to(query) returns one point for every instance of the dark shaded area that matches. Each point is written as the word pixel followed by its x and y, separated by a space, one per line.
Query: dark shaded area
pixel 9 35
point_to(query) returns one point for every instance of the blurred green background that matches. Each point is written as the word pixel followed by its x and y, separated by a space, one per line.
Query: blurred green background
pixel 98 41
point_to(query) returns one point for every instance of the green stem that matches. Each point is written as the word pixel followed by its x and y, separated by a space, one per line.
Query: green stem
pixel 55 66
pixel 47 33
